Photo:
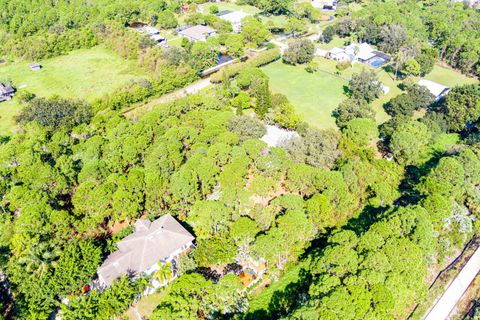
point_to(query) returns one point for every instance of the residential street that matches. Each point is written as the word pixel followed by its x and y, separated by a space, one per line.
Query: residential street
pixel 457 288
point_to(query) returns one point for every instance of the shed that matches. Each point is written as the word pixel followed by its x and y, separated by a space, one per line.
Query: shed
pixel 35 67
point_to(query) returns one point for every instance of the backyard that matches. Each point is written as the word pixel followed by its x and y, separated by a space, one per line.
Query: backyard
pixel 85 74
pixel 317 95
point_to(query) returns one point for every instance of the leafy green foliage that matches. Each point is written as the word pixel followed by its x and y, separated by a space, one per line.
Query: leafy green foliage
pixel 56 112
pixel 299 52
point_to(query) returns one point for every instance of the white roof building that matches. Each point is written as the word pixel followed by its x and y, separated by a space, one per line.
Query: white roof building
pixel 339 54
pixel 150 31
pixel 235 18
pixel 276 136
pixel 324 4
pixel 360 51
pixel 438 90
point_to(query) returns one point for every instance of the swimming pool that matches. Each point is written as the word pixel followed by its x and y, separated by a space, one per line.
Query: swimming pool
pixel 378 62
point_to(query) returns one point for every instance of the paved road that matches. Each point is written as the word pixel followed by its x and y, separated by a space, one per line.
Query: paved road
pixel 282 45
pixel 175 95
pixel 457 288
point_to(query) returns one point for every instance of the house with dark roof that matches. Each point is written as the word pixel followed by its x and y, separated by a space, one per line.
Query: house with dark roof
pixel 6 92
pixel 142 253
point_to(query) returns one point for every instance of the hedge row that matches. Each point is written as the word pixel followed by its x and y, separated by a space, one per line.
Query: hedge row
pixel 231 71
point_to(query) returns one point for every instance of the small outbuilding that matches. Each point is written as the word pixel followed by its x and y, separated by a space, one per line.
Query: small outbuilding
pixel 35 67
pixel 6 92
pixel 197 33
pixel 438 90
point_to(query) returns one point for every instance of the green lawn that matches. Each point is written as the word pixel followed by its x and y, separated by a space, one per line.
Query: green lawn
pixel 448 77
pixel 85 74
pixel 261 301
pixel 314 95
pixel 317 95
pixel 336 42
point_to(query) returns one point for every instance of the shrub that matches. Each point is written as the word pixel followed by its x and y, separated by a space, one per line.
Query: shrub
pixel 343 65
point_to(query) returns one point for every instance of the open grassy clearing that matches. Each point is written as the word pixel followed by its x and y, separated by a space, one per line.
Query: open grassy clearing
pixel 336 42
pixel 317 95
pixel 314 95
pixel 448 77
pixel 85 74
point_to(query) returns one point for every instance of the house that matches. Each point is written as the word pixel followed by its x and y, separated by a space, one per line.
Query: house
pixel 438 90
pixel 162 240
pixel 6 92
pixel 359 52
pixel 235 18
pixel 197 33
pixel 35 67
pixel 338 54
pixel 325 4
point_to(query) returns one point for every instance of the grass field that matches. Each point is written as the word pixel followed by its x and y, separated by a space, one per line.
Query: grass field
pixel 317 95
pixel 314 95
pixel 85 74
pixel 448 77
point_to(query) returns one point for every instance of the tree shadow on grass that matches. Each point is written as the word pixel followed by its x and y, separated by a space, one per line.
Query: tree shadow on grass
pixel 413 177
pixel 284 301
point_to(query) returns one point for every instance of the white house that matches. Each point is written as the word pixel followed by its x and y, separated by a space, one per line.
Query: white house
pixel 235 18
pixel 438 90
pixel 359 52
pixel 197 33
pixel 339 54
pixel 162 241
pixel 325 4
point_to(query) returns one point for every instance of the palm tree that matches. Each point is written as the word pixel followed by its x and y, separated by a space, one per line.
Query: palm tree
pixel 40 259
pixel 164 274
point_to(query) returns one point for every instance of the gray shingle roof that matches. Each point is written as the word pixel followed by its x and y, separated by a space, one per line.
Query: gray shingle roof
pixel 152 242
